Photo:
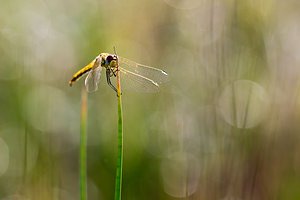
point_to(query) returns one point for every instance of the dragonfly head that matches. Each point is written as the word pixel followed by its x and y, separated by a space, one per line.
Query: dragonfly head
pixel 111 60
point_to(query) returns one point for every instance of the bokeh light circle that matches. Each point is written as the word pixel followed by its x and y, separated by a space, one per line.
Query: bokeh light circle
pixel 47 108
pixel 243 104
pixel 180 174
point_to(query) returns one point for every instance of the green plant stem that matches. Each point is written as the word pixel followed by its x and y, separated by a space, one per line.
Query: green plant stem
pixel 83 195
pixel 118 187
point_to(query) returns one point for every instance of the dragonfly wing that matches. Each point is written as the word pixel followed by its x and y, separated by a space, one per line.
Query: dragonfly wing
pixel 92 80
pixel 132 81
pixel 157 75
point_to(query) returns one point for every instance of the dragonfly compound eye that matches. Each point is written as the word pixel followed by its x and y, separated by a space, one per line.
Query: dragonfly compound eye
pixel 109 58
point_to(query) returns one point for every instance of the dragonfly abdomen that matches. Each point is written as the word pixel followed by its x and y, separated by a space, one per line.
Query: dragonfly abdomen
pixel 81 73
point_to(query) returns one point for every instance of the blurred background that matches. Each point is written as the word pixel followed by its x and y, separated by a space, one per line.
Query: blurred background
pixel 225 127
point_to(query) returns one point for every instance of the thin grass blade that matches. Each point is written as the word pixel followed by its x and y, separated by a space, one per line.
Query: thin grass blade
pixel 83 186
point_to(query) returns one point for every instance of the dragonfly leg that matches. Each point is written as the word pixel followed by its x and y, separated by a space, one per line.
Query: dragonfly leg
pixel 108 81
pixel 114 72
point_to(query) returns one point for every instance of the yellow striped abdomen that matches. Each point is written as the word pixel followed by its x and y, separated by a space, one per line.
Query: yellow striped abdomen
pixel 81 72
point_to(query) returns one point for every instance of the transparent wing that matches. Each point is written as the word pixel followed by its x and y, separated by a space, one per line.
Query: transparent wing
pixel 132 81
pixel 156 75
pixel 92 80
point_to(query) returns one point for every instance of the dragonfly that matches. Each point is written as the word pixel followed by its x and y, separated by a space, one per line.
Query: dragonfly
pixel 133 76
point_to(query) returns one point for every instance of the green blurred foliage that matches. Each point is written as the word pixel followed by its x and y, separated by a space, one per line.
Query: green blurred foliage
pixel 225 127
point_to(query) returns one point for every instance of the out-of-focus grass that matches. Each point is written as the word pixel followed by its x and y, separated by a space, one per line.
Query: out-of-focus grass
pixel 83 145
